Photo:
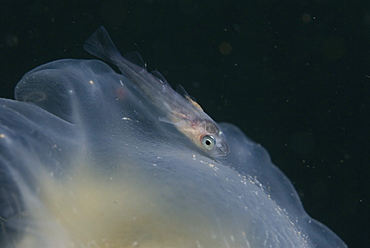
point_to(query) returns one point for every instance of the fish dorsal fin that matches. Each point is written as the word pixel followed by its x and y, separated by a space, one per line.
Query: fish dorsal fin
pixel 135 58
pixel 182 92
pixel 185 94
pixel 160 77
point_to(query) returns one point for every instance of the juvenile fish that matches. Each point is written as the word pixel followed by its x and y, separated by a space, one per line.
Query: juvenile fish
pixel 183 112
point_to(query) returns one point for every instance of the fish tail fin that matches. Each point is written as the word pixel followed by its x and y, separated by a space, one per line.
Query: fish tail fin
pixel 101 45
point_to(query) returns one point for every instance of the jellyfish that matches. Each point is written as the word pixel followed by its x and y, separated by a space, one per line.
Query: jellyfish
pixel 87 160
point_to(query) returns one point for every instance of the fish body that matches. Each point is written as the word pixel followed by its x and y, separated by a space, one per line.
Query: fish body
pixel 182 111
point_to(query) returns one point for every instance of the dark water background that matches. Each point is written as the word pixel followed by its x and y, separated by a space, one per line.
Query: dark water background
pixel 293 75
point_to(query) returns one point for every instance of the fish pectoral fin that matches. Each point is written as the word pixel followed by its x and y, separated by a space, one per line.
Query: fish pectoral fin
pixel 172 120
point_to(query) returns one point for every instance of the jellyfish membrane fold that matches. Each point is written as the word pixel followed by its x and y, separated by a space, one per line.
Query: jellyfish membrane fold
pixel 86 162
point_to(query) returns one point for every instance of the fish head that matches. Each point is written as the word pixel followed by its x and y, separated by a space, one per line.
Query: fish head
pixel 211 139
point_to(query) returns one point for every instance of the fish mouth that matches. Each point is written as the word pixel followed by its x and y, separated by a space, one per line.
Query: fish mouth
pixel 222 151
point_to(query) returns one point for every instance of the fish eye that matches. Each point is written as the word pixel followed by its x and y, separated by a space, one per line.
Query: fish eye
pixel 208 142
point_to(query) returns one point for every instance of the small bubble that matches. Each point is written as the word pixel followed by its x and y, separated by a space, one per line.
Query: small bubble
pixel 225 48
pixel 306 18
pixel 11 40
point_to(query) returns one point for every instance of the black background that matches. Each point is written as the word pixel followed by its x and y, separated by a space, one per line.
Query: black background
pixel 293 75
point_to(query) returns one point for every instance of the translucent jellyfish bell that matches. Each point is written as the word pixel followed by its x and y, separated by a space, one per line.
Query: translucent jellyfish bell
pixel 86 162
